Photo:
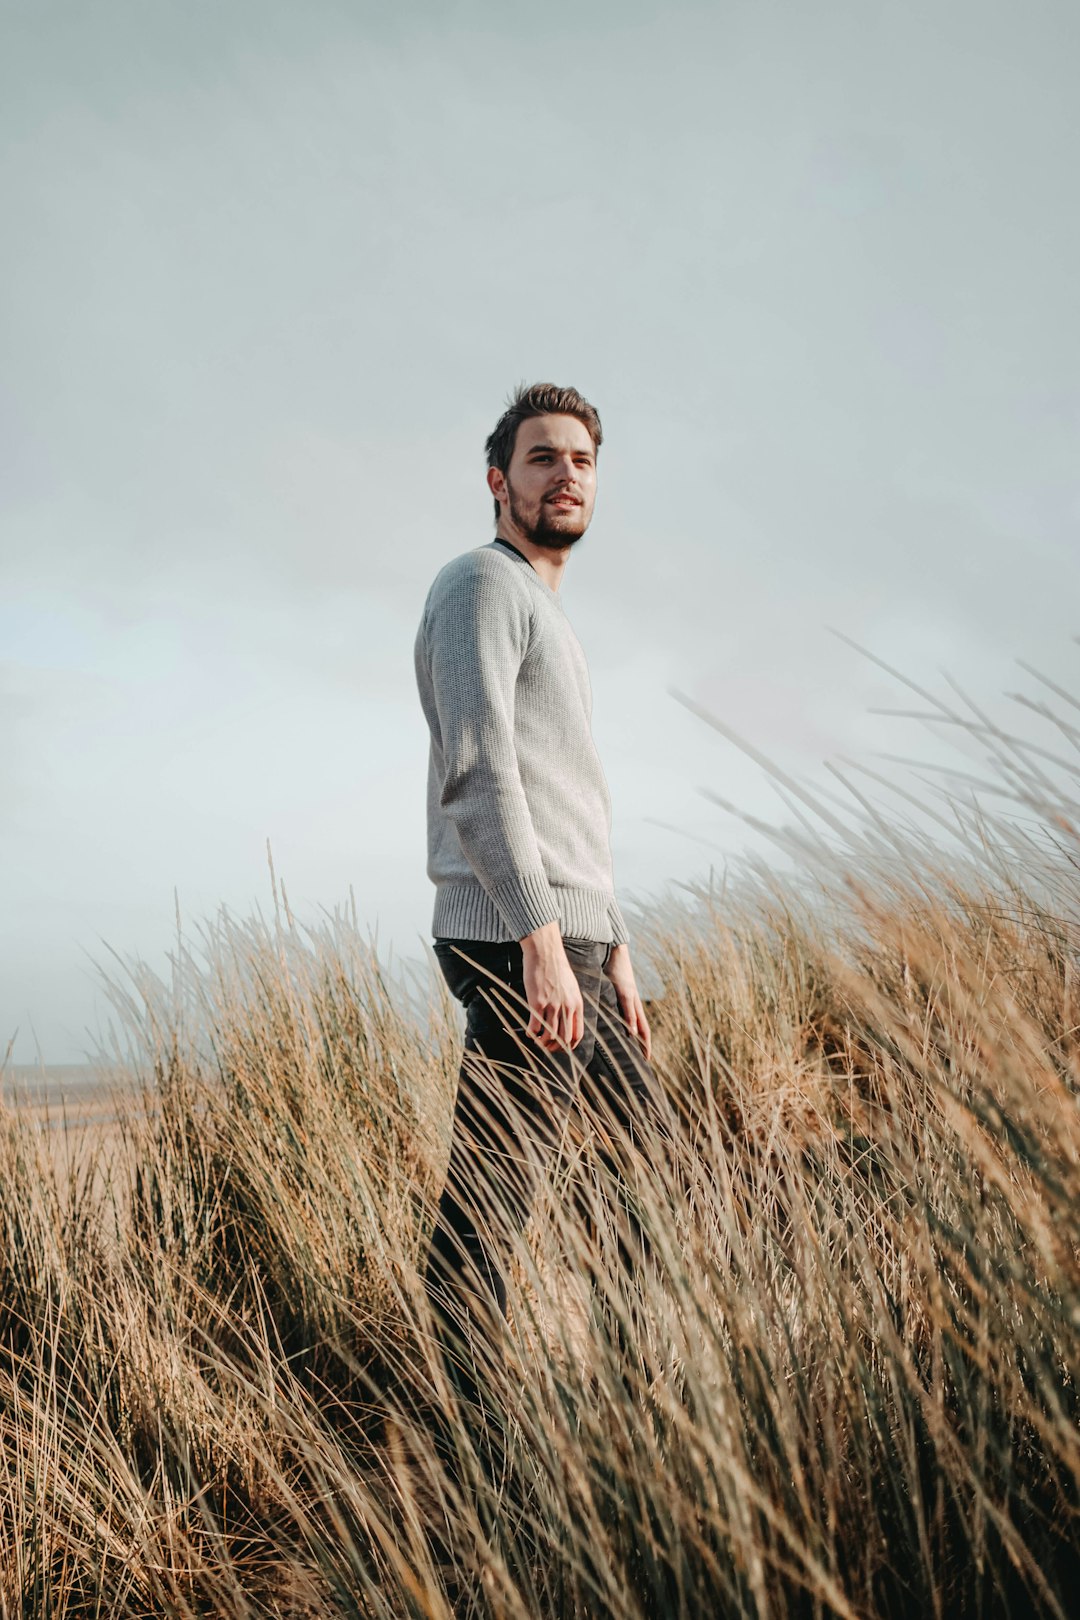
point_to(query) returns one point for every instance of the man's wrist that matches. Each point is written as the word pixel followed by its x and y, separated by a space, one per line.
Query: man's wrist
pixel 544 941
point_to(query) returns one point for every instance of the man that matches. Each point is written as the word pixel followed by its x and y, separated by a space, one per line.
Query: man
pixel 528 932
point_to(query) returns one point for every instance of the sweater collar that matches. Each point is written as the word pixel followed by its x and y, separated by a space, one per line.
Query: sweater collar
pixel 501 542
pixel 544 586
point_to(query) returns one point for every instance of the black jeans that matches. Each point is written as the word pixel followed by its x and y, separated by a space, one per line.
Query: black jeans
pixel 513 1102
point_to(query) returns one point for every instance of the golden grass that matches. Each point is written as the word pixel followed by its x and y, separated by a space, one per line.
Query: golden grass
pixel 861 1321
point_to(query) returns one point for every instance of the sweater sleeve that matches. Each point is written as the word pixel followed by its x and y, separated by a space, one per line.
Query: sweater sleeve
pixel 477 635
pixel 620 934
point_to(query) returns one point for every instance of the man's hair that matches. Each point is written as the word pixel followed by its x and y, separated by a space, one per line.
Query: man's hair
pixel 537 399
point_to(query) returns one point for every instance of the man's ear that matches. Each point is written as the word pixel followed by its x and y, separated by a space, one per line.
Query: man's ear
pixel 496 482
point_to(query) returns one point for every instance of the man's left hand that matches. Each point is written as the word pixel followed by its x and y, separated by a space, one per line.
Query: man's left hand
pixel 621 974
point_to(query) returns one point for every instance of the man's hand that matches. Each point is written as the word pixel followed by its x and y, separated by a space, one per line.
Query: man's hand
pixel 621 974
pixel 556 1008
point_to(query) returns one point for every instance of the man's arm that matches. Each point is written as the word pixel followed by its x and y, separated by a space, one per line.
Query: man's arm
pixel 621 974
pixel 477 634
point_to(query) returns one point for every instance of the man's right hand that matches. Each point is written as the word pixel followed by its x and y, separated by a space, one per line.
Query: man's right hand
pixel 556 1008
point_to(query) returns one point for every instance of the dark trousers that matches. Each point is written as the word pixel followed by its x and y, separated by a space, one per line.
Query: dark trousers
pixel 514 1100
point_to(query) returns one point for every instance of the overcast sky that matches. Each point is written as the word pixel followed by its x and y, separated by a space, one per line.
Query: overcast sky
pixel 270 270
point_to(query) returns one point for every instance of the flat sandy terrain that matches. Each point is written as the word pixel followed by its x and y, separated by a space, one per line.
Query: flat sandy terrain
pixel 74 1110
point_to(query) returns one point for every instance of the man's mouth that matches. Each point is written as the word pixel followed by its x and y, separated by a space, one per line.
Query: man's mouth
pixel 563 500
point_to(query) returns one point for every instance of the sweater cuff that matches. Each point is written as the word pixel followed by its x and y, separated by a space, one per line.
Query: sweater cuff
pixel 620 936
pixel 526 903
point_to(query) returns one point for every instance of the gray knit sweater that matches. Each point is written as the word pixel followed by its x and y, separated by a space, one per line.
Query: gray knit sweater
pixel 518 810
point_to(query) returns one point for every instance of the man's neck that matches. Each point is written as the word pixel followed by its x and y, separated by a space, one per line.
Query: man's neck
pixel 550 565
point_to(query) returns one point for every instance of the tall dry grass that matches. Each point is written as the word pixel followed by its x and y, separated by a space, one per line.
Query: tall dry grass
pixel 858 1330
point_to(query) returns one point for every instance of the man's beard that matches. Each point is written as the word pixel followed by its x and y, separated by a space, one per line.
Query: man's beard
pixel 542 532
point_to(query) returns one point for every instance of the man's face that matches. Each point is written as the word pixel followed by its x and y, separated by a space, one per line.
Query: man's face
pixel 551 481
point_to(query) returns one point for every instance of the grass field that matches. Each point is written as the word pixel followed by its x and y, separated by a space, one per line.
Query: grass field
pixel 861 1325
